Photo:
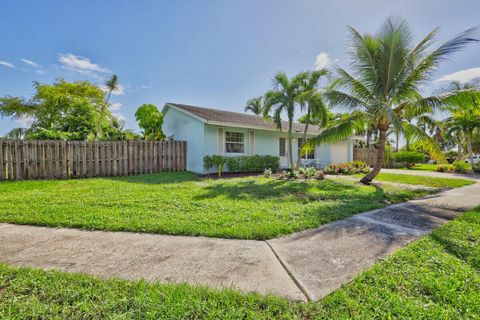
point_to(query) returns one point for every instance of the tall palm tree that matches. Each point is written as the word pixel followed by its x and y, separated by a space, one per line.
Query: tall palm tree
pixel 111 86
pixel 312 103
pixel 283 98
pixel 388 71
pixel 254 105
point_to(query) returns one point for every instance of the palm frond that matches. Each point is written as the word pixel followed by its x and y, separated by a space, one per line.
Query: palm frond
pixel 421 140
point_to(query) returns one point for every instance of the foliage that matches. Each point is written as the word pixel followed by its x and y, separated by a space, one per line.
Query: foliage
pixel 215 161
pixel 267 173
pixel 476 167
pixel 388 72
pixel 460 167
pixel 347 168
pixel 62 110
pixel 283 98
pixel 179 203
pixel 388 156
pixel 450 155
pixel 111 85
pixel 444 168
pixel 255 106
pixel 150 119
pixel 16 133
pixel 254 163
pixel 409 157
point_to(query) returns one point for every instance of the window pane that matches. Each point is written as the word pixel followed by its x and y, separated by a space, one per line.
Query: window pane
pixel 234 147
pixel 281 147
pixel 305 154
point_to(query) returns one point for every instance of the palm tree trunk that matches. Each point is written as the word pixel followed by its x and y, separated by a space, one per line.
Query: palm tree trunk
pixel 290 151
pixel 369 133
pixel 468 137
pixel 100 118
pixel 397 136
pixel 299 160
pixel 382 138
pixel 459 150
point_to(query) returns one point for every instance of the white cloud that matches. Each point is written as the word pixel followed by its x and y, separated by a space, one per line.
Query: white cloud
pixel 322 61
pixel 119 116
pixel 7 64
pixel 145 86
pixel 31 63
pixel 37 67
pixel 120 91
pixel 81 65
pixel 461 76
pixel 115 106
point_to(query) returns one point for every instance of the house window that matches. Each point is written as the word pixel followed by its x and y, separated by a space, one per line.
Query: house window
pixel 234 142
pixel 309 153
pixel 281 147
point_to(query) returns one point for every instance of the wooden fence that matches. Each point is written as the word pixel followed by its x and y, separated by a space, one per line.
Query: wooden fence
pixel 367 155
pixel 23 159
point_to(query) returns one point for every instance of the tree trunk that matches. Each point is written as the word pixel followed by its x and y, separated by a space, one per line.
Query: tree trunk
pixel 100 118
pixel 380 155
pixel 290 151
pixel 468 137
pixel 299 160
pixel 397 136
pixel 369 133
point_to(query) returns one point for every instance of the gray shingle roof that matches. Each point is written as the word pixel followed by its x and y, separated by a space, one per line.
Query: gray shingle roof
pixel 237 118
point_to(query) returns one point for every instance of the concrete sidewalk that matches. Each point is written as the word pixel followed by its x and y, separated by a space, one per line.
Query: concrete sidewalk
pixel 305 265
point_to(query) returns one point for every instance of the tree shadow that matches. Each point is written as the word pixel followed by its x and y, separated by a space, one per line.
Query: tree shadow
pixel 159 178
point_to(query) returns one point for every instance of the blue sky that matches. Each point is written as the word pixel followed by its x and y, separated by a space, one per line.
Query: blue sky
pixel 207 53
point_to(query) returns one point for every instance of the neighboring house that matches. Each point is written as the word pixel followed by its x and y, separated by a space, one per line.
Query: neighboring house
pixel 218 132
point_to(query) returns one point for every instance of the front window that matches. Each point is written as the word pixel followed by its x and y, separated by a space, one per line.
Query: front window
pixel 234 142
pixel 308 153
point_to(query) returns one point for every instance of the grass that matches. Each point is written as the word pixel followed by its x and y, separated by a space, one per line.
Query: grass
pixel 436 277
pixel 443 183
pixel 180 203
pixel 429 167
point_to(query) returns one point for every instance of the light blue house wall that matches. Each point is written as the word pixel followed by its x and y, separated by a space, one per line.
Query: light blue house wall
pixel 180 126
pixel 202 139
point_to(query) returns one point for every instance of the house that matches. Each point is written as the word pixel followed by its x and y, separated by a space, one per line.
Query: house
pixel 218 132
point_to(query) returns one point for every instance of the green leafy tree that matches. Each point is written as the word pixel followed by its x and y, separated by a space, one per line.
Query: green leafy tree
pixel 62 110
pixel 255 106
pixel 150 120
pixel 283 98
pixel 388 71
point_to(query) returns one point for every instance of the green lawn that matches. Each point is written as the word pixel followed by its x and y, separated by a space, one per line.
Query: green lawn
pixel 434 182
pixel 436 277
pixel 180 203
pixel 429 167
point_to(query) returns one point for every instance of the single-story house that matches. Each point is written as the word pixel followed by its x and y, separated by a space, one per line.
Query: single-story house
pixel 219 132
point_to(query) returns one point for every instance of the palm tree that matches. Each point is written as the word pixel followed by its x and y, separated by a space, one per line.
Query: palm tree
pixel 111 85
pixel 312 102
pixel 254 105
pixel 283 98
pixel 388 71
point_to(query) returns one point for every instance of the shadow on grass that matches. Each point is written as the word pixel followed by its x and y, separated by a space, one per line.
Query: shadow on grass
pixel 159 178
pixel 461 239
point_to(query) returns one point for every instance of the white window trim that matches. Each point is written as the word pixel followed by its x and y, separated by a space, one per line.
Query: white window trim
pixel 225 142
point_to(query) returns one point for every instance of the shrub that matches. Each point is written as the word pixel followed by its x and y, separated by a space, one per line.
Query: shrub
pixel 252 163
pixel 347 168
pixel 476 167
pixel 444 168
pixel 211 161
pixel 309 173
pixel 460 167
pixel 267 173
pixel 319 175
pixel 409 157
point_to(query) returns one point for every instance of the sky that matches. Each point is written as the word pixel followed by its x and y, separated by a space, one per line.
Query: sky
pixel 213 53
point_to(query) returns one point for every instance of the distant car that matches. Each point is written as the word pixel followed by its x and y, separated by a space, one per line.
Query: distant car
pixel 476 159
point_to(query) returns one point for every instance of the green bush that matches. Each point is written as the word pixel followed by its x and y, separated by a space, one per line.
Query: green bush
pixel 476 167
pixel 347 168
pixel 409 157
pixel 211 161
pixel 460 167
pixel 242 163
